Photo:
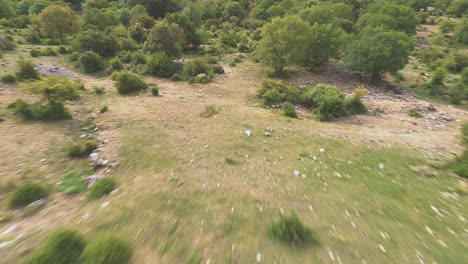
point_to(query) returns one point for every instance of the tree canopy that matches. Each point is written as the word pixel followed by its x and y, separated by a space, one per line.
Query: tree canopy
pixel 58 21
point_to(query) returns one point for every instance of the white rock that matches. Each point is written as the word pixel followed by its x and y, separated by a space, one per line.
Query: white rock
pixel 248 133
pixel 259 257
pixel 296 173
pixel 322 150
pixel 381 166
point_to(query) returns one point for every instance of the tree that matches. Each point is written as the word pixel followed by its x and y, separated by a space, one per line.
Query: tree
pixel 166 37
pixel 458 8
pixel 98 41
pixel 325 41
pixel 156 8
pixel 376 50
pixel 58 21
pixel 325 13
pixel 6 9
pixel 389 15
pixel 192 40
pixel 231 9
pixel 283 42
pixel 100 18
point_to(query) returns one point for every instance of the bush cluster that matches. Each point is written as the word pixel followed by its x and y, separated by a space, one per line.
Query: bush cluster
pixel 197 71
pixel 27 194
pixel 63 246
pixel 288 110
pixel 128 82
pixel 102 187
pixel 159 64
pixel 275 92
pixel 26 70
pixel 39 110
pixel 81 148
pixel 91 62
pixel 290 229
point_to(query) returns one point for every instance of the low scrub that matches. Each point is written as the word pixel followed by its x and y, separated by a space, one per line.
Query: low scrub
pixel 290 229
pixel 81 148
pixel 39 110
pixel 275 92
pixel 128 82
pixel 354 104
pixel 8 78
pixel 154 89
pixel 26 70
pixel 288 110
pixel 159 64
pixel 91 62
pixel 107 249
pixel 414 113
pixel 328 102
pixel 27 194
pixel 102 187
pixel 198 71
pixel 115 64
pixel 63 246
pixel 210 110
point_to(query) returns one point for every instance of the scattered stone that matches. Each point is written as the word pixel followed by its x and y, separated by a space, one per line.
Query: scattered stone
pixel 35 206
pixel 322 150
pixel 248 133
pixel 431 108
pixel 267 134
pixel 429 230
pixel 92 179
pixel 104 205
pixel 336 174
pixel 259 257
pixel 9 230
pixel 424 170
pixel 381 166
pixel 381 247
pixel 296 173
pixel 445 117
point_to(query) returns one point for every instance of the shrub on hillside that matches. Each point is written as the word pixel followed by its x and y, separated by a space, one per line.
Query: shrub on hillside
pixel 102 187
pixel 91 62
pixel 159 64
pixel 107 249
pixel 154 89
pixel 128 82
pixel 275 92
pixel 196 67
pixel 290 229
pixel 8 78
pixel 39 111
pixel 27 194
pixel 63 246
pixel 81 148
pixel 26 70
pixel 288 110
pixel 104 44
pixel 6 43
pixel 116 64
pixel 354 104
pixel 328 102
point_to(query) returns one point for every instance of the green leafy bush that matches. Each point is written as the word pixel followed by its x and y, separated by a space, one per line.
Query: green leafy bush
pixel 39 111
pixel 275 92
pixel 328 102
pixel 116 64
pixel 107 249
pixel 26 70
pixel 91 62
pixel 27 194
pixel 354 104
pixel 72 182
pixel 63 246
pixel 159 64
pixel 98 90
pixel 414 113
pixel 290 229
pixel 288 110
pixel 154 89
pixel 102 187
pixel 35 53
pixel 194 68
pixel 8 78
pixel 128 82
pixel 81 148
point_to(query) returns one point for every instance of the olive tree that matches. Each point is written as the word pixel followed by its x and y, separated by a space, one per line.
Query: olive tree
pixel 377 50
pixel 284 42
pixel 58 21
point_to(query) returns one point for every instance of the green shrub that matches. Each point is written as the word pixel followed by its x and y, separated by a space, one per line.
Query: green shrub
pixel 98 90
pixel 218 69
pixel 196 67
pixel 62 50
pixel 328 102
pixel 354 104
pixel 22 108
pixel 210 110
pixel 35 53
pixel 8 78
pixel 176 77
pixel 202 78
pixel 27 194
pixel 290 229
pixel 275 92
pixel 107 249
pixel 159 64
pixel 63 246
pixel 138 57
pixel 288 110
pixel 154 89
pixel 26 70
pixel 116 64
pixel 414 113
pixel 74 56
pixel 39 111
pixel 103 109
pixel 73 182
pixel 50 52
pixel 81 148
pixel 464 132
pixel 460 166
pixel 457 61
pixel 102 187
pixel 128 82
pixel 91 62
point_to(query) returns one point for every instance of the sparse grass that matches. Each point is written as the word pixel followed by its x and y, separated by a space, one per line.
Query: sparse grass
pixel 414 113
pixel 232 161
pixel 107 249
